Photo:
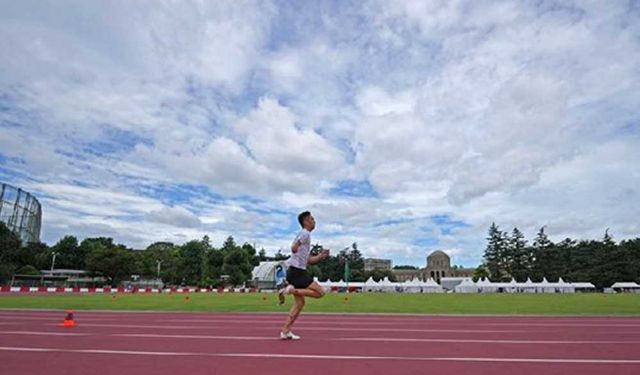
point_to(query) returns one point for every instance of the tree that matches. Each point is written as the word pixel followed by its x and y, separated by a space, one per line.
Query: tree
pixel 356 264
pixel 9 253
pixel 192 260
pixel 542 240
pixel 215 264
pixel 113 262
pixel 610 259
pixel 494 255
pixel 251 252
pixel 405 267
pixel 517 256
pixel 169 256
pixel 10 246
pixel 28 270
pixel 378 275
pixel 237 264
pixel 77 256
pixel 566 259
pixel 480 273
pixel 40 255
pixel 229 244
pixel 315 271
pixel 280 256
pixel 600 262
pixel 262 255
pixel 537 253
pixel 630 256
pixel 331 268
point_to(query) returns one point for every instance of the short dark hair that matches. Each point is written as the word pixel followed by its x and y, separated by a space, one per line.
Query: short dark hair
pixel 302 216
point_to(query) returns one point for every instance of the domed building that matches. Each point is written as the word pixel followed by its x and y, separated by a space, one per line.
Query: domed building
pixel 438 266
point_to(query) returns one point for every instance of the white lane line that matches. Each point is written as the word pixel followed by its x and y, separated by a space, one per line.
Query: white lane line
pixel 461 323
pixel 380 339
pixel 355 339
pixel 209 337
pixel 308 328
pixel 35 333
pixel 483 341
pixel 325 357
pixel 557 324
pixel 95 351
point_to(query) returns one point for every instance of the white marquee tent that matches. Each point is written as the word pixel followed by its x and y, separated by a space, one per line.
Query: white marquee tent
pixel 466 286
pixel 431 286
pixel 630 287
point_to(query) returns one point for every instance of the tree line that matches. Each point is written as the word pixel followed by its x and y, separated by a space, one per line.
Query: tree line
pixel 194 263
pixel 601 262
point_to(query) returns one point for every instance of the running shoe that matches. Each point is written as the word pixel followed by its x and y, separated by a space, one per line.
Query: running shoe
pixel 289 336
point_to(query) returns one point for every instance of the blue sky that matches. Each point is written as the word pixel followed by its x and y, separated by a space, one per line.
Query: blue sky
pixel 405 126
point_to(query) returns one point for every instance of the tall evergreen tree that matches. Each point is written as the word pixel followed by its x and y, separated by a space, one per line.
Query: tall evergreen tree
pixel 494 254
pixel 517 259
pixel 540 254
pixel 229 244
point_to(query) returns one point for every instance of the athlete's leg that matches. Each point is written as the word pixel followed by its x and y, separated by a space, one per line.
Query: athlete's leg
pixel 314 290
pixel 294 313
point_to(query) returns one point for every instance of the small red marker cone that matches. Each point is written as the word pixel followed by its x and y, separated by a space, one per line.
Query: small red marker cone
pixel 69 321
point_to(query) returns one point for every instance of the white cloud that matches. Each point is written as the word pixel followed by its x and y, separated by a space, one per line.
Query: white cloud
pixel 521 113
pixel 176 216
pixel 273 139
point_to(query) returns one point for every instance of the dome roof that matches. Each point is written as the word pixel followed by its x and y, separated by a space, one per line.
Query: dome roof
pixel 438 253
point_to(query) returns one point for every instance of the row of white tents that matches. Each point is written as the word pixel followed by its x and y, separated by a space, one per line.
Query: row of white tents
pixel 264 275
pixel 545 286
pixel 466 285
pixel 385 286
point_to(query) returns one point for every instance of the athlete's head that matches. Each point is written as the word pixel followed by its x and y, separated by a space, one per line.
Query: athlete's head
pixel 307 221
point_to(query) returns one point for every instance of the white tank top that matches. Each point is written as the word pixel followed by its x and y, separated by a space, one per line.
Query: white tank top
pixel 300 258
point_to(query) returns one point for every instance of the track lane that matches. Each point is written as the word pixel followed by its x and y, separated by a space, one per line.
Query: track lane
pixel 461 344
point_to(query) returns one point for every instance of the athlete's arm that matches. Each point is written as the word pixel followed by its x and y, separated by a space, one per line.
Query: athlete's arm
pixel 295 246
pixel 303 238
pixel 315 259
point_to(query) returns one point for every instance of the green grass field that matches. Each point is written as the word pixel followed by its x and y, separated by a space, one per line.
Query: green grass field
pixel 550 304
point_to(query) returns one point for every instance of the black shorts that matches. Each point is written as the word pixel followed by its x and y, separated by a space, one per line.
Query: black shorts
pixel 299 278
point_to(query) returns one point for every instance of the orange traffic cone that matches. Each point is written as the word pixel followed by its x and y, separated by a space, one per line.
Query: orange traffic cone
pixel 68 320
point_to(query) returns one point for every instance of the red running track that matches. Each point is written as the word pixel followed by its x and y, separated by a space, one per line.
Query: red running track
pixel 32 342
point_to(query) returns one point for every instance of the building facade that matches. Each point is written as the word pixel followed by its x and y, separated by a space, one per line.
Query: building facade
pixel 372 264
pixel 438 266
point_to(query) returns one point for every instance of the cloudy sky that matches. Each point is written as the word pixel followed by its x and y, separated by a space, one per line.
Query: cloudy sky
pixel 405 126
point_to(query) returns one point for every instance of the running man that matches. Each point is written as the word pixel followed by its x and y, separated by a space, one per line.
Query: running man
pixel 301 284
